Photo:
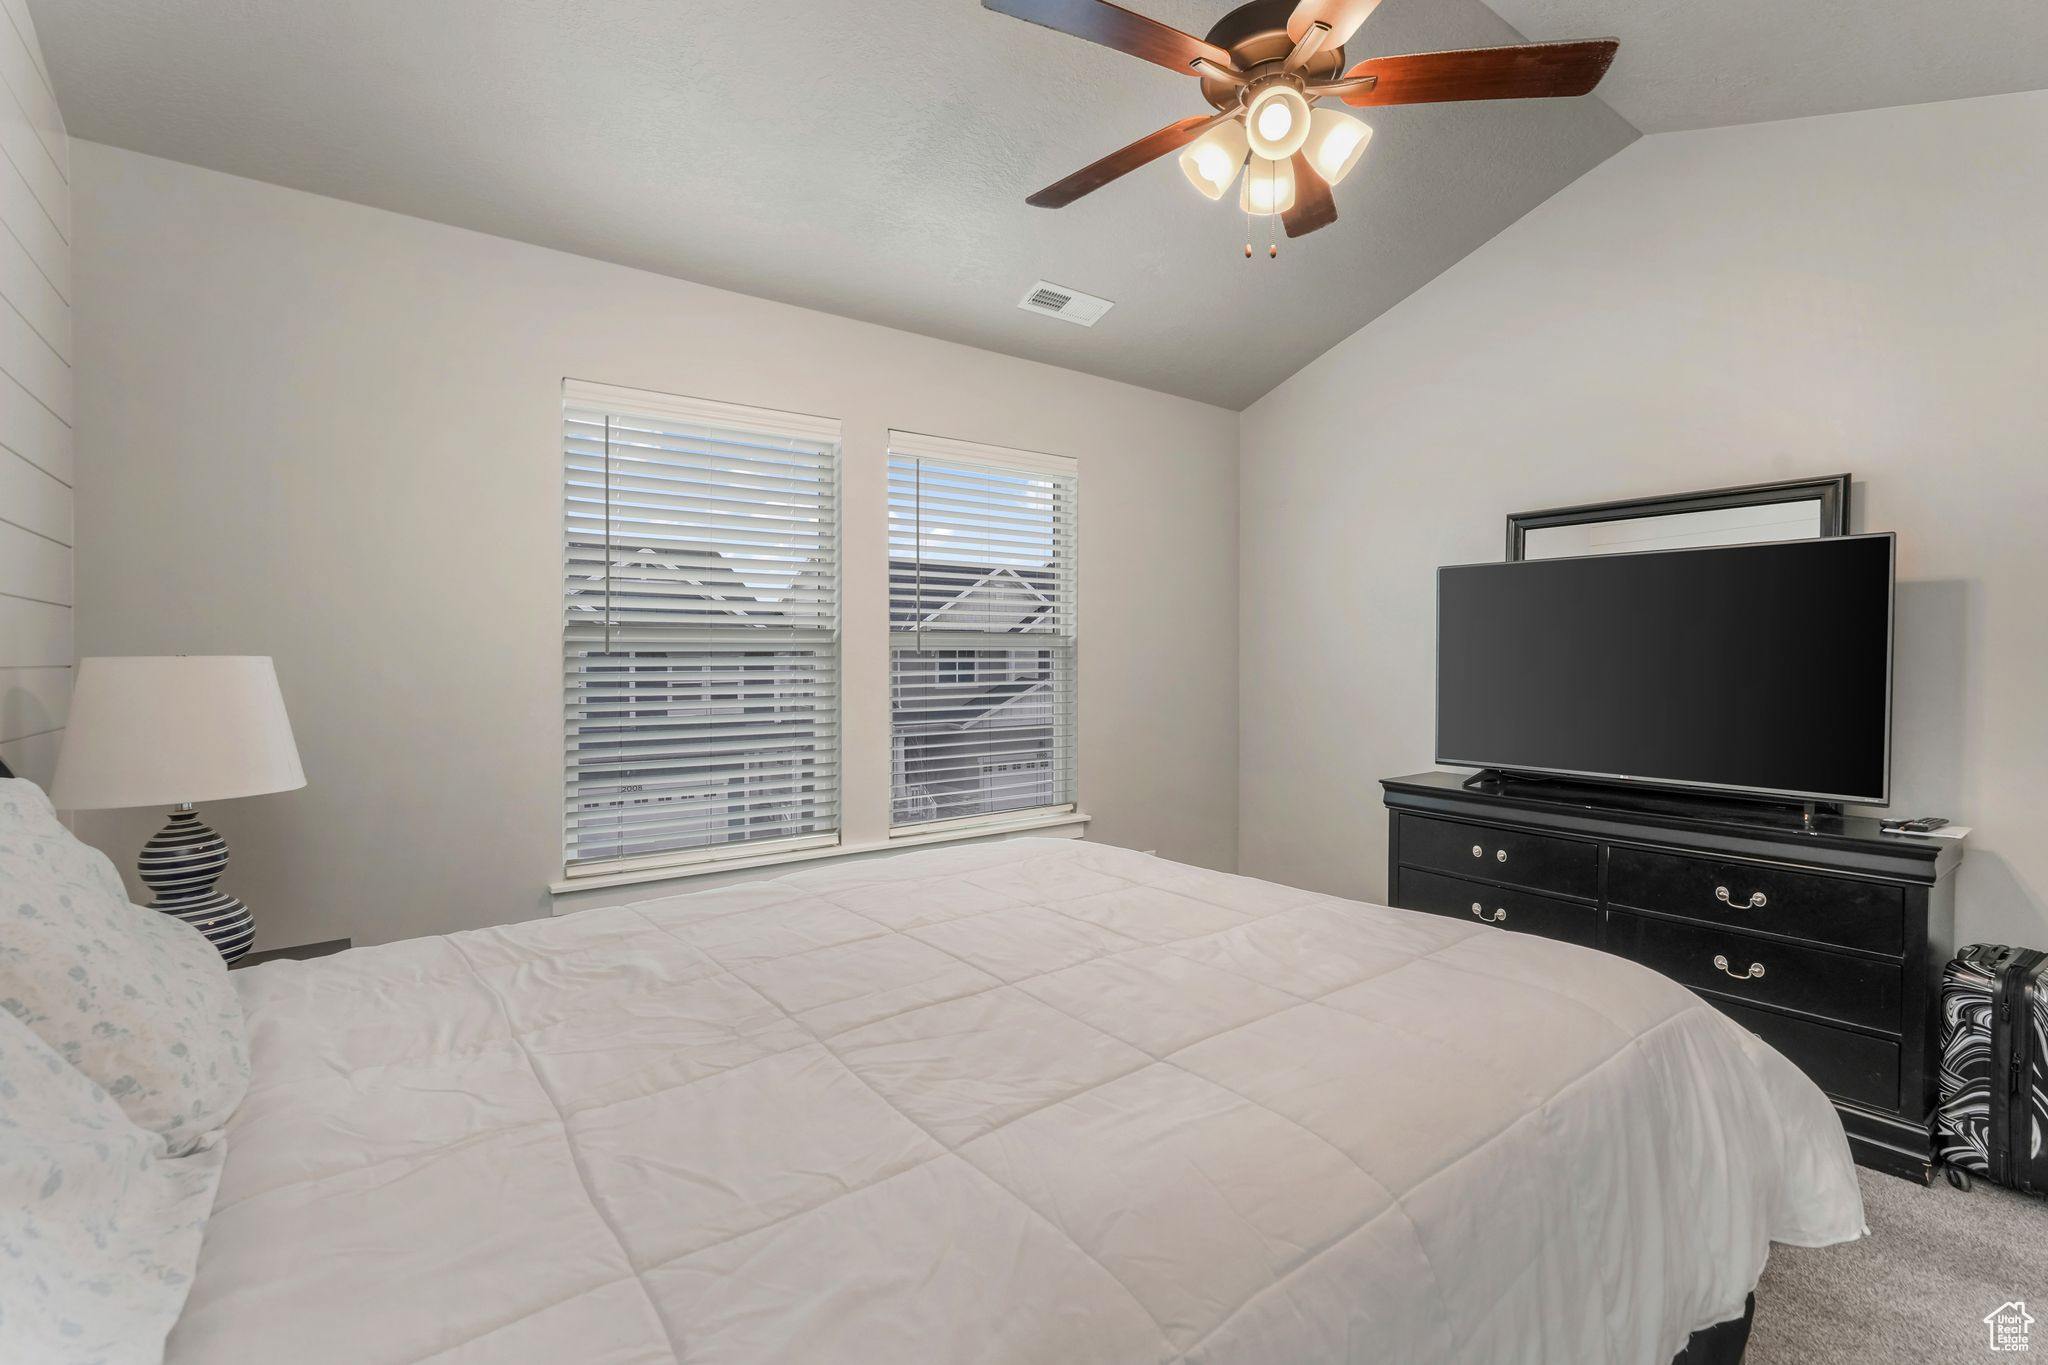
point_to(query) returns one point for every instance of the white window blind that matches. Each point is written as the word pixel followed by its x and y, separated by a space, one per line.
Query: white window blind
pixel 983 633
pixel 700 639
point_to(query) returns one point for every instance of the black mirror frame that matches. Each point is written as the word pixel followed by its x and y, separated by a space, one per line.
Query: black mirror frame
pixel 1832 492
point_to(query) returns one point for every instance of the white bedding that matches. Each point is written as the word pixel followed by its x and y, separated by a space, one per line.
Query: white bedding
pixel 1034 1101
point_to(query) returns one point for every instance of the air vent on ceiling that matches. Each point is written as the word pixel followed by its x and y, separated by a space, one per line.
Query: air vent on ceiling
pixel 1068 305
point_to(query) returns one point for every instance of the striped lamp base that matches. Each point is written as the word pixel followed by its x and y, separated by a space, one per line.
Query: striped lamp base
pixel 180 864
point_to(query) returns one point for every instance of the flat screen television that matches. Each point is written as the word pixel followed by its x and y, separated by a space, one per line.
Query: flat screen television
pixel 1756 669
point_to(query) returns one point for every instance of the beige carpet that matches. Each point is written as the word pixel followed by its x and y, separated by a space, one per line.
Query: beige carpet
pixel 1916 1290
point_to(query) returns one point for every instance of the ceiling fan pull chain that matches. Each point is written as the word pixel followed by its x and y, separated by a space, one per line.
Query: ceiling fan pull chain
pixel 1272 197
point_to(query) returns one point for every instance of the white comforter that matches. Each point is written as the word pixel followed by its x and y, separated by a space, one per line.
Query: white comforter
pixel 1036 1101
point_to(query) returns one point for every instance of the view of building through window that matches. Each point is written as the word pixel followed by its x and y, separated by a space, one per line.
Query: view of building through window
pixel 981 607
pixel 700 633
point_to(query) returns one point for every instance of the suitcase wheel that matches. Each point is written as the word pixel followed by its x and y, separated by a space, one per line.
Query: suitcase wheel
pixel 1959 1177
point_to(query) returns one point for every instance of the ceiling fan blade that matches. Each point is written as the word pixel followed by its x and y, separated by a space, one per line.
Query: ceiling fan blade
pixel 1342 16
pixel 1124 160
pixel 1313 207
pixel 1113 26
pixel 1532 71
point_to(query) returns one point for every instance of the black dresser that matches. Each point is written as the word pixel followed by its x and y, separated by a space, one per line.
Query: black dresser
pixel 1826 939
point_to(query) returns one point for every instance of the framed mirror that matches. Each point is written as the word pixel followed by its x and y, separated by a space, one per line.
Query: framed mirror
pixel 1801 509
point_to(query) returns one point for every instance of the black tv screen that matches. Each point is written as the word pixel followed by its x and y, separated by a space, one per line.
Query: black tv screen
pixel 1752 668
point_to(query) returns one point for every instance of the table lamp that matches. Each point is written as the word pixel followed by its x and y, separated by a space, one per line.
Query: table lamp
pixel 173 731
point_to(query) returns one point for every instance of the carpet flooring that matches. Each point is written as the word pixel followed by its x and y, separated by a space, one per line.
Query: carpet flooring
pixel 1916 1290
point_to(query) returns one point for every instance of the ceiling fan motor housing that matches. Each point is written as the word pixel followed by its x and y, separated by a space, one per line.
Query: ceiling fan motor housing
pixel 1255 36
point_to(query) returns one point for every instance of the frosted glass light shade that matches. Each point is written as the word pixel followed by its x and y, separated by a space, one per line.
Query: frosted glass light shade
pixel 1335 142
pixel 168 730
pixel 1211 161
pixel 1268 187
pixel 1276 121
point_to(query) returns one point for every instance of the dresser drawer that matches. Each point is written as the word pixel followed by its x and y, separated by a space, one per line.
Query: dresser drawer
pixel 1520 911
pixel 1855 990
pixel 1564 866
pixel 1757 896
pixel 1849 1066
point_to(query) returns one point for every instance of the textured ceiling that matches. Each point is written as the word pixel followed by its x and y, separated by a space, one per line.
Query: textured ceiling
pixel 869 160
pixel 1689 64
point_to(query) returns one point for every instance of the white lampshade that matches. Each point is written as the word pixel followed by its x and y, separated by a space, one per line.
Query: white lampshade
pixel 1211 161
pixel 1276 122
pixel 1335 142
pixel 168 730
pixel 1268 187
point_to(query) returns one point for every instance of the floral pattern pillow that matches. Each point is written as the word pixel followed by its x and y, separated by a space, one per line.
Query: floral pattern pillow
pixel 99 1227
pixel 136 1000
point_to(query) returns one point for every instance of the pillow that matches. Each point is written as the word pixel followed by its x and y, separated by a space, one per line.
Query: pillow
pixel 99 1228
pixel 138 1001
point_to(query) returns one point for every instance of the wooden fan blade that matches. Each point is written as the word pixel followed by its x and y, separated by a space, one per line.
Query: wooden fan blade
pixel 1313 207
pixel 1123 161
pixel 1532 71
pixel 1342 16
pixel 1113 26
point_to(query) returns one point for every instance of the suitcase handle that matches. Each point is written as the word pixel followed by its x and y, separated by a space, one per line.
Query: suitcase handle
pixel 1755 969
pixel 1755 901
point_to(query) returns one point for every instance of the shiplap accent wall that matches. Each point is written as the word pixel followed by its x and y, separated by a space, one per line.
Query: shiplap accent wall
pixel 35 404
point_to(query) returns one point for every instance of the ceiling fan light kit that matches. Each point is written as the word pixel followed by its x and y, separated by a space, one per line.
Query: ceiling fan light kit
pixel 1212 160
pixel 1264 67
pixel 1268 187
pixel 1335 143
pixel 1276 120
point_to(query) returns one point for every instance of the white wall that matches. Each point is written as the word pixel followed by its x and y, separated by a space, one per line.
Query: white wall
pixel 332 434
pixel 1865 292
pixel 35 405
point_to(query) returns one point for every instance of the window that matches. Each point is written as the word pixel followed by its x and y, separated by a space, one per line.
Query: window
pixel 982 630
pixel 956 667
pixel 700 638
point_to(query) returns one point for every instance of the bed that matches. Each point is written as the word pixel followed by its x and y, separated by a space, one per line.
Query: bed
pixel 1029 1101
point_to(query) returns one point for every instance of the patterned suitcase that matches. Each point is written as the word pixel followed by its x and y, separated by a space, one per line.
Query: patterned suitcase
pixel 1993 1119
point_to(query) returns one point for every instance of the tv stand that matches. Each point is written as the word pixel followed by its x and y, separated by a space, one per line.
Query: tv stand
pixel 1853 924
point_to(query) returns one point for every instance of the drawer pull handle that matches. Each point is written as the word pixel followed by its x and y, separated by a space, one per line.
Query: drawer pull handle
pixel 1501 856
pixel 1478 852
pixel 1755 968
pixel 1755 901
pixel 1496 917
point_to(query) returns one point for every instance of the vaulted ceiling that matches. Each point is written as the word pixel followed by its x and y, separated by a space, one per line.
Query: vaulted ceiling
pixel 872 160
pixel 1688 64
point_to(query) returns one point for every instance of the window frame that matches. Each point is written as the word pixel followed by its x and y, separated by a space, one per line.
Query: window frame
pixel 917 448
pixel 826 432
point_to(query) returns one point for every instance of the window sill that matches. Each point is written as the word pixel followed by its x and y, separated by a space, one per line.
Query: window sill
pixel 990 830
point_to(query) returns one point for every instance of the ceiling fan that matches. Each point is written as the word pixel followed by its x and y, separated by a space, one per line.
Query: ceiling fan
pixel 1264 67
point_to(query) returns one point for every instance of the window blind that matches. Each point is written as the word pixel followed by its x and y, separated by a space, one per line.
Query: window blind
pixel 700 639
pixel 983 630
